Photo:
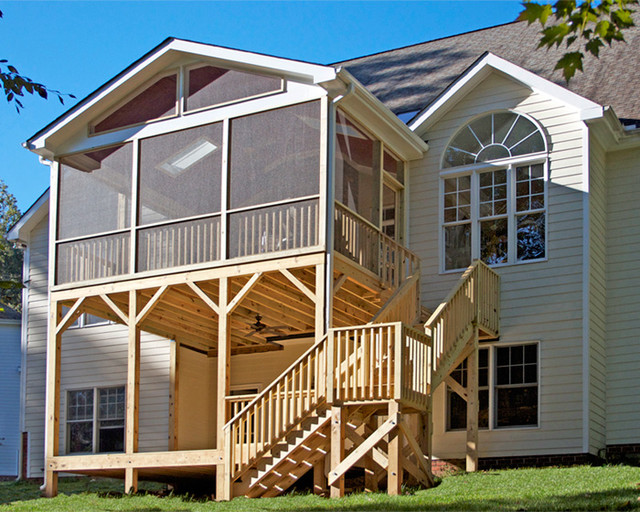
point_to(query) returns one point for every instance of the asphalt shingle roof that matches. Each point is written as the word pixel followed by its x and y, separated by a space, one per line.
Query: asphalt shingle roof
pixel 410 78
pixel 6 313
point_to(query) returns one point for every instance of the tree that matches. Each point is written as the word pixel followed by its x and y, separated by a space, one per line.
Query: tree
pixel 10 257
pixel 587 25
pixel 16 85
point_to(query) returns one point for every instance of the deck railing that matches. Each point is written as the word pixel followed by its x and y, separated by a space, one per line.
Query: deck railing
pixel 366 245
pixel 371 362
pixel 474 301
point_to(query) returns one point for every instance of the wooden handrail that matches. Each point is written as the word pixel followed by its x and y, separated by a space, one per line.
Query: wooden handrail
pixel 473 302
pixel 362 242
pixel 403 305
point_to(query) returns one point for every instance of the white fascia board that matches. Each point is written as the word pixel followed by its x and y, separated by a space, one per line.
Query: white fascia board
pixel 313 73
pixel 587 108
pixel 305 71
pixel 36 212
pixel 391 121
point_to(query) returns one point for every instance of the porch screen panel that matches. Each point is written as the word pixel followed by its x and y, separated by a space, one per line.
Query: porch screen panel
pixel 210 86
pixel 277 228
pixel 275 155
pixel 95 192
pixel 92 258
pixel 354 169
pixel 156 101
pixel 178 244
pixel 180 174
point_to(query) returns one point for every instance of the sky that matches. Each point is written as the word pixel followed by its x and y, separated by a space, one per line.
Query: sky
pixel 76 46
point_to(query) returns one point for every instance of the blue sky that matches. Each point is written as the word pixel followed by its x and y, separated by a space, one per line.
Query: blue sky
pixel 75 46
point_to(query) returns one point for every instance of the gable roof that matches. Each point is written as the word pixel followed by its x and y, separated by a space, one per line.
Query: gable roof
pixel 489 63
pixel 411 78
pixel 7 313
pixel 165 55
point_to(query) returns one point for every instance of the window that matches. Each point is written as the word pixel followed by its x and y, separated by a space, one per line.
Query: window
pixel 95 420
pixel 507 388
pixel 492 211
pixel 498 216
pixel 85 319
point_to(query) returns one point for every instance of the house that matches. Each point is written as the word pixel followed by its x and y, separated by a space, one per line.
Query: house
pixel 10 400
pixel 250 267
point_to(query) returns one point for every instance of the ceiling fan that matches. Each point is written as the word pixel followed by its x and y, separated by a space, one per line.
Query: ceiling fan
pixel 260 329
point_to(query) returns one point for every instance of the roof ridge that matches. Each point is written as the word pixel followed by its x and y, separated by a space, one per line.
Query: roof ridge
pixel 426 42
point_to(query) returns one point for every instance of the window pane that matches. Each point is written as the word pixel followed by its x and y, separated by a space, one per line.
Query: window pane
pixel 93 320
pixel 522 130
pixel 457 410
pixel 209 85
pixel 517 406
pixel 457 241
pixel 355 168
pixel 95 192
pixel 80 406
pixel 180 174
pixel 111 403
pixel 493 241
pixel 393 166
pixel 531 236
pixel 157 100
pixel 80 437
pixel 111 436
pixel 275 155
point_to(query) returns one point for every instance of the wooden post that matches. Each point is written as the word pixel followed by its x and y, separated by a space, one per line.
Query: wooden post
pixel 320 301
pixel 133 393
pixel 319 477
pixel 370 477
pixel 472 405
pixel 395 468
pixel 173 394
pixel 52 430
pixel 223 471
pixel 337 448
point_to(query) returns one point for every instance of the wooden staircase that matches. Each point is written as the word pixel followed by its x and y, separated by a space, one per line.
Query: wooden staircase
pixel 371 378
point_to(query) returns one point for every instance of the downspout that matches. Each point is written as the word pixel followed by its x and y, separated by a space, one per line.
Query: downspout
pixel 23 358
pixel 331 147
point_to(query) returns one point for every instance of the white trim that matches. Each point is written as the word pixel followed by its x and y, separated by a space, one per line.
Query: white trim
pixel 37 211
pixel 490 62
pixel 586 288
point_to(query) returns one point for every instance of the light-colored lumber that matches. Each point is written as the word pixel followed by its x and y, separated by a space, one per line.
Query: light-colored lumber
pixel 472 406
pixel 174 391
pixel 151 303
pixel 71 316
pixel 52 426
pixel 388 427
pixel 205 298
pixel 243 292
pixel 455 386
pixel 417 451
pixel 299 285
pixel 395 469
pixel 337 451
pixel 107 300
pixel 223 478
pixel 133 392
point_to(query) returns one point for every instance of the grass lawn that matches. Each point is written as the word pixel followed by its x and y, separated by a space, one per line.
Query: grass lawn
pixel 573 488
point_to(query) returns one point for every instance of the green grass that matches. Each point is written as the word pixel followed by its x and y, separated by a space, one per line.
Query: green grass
pixel 573 488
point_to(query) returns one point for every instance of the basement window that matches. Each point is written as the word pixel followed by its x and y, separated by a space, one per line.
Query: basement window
pixel 507 389
pixel 95 420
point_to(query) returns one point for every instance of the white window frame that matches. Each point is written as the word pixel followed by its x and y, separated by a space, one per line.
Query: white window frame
pixel 493 406
pixel 510 164
pixel 95 420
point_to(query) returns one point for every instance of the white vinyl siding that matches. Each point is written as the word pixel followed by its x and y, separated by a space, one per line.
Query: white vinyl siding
pixel 623 299
pixel 9 397
pixel 597 297
pixel 541 301
pixel 91 356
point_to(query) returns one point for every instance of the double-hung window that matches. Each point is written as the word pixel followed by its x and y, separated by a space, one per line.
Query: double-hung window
pixel 494 193
pixel 507 388
pixel 95 420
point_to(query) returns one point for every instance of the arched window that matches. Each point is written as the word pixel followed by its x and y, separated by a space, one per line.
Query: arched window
pixel 495 207
pixel 493 137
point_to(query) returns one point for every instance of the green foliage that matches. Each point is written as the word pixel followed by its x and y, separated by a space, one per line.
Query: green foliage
pixel 588 25
pixel 10 257
pixel 16 85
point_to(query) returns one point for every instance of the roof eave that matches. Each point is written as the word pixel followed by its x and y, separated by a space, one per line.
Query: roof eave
pixel 488 63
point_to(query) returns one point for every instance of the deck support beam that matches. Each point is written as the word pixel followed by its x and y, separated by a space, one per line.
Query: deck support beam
pixel 133 393
pixel 223 473
pixel 337 448
pixel 395 469
pixel 472 405
pixel 52 430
